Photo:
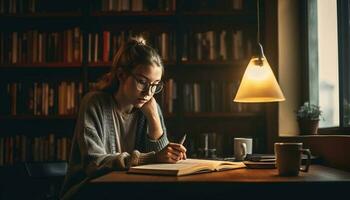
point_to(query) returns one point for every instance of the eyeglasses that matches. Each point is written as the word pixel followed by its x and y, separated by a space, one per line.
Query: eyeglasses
pixel 145 86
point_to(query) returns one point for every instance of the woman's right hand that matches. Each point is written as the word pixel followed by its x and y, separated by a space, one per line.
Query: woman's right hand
pixel 172 153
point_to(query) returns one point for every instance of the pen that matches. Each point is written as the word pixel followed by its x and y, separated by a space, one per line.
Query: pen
pixel 183 139
pixel 182 142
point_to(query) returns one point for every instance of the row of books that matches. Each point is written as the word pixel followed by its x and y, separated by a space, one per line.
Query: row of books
pixel 167 98
pixel 213 45
pixel 133 5
pixel 22 148
pixel 102 46
pixel 59 98
pixel 63 98
pixel 37 6
pixel 40 98
pixel 210 5
pixel 214 96
pixel 34 46
pixel 165 5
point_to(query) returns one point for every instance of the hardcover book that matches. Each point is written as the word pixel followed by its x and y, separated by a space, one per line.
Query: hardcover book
pixel 186 167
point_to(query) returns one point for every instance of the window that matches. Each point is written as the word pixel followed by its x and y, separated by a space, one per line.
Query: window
pixel 344 60
pixel 328 63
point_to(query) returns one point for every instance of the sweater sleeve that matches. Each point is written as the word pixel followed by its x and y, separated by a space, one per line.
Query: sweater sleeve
pixel 95 157
pixel 97 161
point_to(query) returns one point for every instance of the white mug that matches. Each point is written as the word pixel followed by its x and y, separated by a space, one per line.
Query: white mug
pixel 242 147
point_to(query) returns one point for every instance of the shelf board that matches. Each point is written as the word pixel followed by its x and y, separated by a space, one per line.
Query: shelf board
pixel 213 63
pixel 134 20
pixel 222 114
pixel 183 63
pixel 42 65
pixel 38 117
pixel 109 64
pixel 100 65
pixel 132 13
pixel 33 19
pixel 169 115
pixel 43 15
pixel 75 14
pixel 46 21
pixel 219 13
pixel 217 18
pixel 166 115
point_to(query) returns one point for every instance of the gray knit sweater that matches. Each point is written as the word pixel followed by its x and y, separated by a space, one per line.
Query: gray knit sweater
pixel 94 150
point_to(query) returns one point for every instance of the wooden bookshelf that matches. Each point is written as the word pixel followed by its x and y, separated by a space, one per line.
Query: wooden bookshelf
pixel 188 29
pixel 46 15
pixel 115 14
pixel 216 115
pixel 42 65
pixel 38 118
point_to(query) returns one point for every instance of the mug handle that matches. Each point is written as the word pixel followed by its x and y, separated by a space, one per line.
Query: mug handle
pixel 244 149
pixel 307 152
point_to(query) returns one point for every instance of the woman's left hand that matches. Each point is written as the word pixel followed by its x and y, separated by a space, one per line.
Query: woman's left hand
pixel 149 109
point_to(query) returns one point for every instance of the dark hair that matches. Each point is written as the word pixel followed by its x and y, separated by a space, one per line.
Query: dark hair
pixel 130 55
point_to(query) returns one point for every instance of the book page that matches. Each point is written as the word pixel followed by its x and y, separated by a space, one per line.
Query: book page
pixel 165 166
pixel 230 165
pixel 182 167
pixel 214 164
pixel 217 164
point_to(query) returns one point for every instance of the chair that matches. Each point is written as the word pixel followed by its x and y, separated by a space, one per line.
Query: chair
pixel 33 180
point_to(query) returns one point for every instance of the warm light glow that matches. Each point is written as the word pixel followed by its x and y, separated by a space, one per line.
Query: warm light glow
pixel 259 84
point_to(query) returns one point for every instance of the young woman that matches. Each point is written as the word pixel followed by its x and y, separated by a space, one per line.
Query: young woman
pixel 120 124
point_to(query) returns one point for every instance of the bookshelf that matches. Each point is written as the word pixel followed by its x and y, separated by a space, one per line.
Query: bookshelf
pixel 51 55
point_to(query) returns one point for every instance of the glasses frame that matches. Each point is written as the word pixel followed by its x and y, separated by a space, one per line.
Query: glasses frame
pixel 141 86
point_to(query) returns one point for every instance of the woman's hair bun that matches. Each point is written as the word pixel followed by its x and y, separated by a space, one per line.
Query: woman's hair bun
pixel 139 40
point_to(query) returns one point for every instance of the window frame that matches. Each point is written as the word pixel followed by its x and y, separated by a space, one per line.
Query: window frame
pixel 311 64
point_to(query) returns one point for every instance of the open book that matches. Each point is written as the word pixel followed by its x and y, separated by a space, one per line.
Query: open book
pixel 185 167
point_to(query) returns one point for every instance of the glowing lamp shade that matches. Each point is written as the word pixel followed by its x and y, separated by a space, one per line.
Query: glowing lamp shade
pixel 259 84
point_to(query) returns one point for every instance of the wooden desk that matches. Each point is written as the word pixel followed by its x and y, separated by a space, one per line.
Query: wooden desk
pixel 319 181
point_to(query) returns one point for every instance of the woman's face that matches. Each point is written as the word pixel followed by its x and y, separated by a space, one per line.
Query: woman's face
pixel 134 82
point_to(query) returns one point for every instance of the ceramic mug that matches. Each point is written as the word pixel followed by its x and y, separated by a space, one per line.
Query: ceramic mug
pixel 288 158
pixel 242 147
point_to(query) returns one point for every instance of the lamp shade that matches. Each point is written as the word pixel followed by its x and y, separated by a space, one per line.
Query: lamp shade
pixel 259 84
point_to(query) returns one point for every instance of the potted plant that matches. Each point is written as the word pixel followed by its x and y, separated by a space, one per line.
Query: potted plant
pixel 308 117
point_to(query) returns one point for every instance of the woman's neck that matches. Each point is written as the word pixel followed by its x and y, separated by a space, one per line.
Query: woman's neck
pixel 122 104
